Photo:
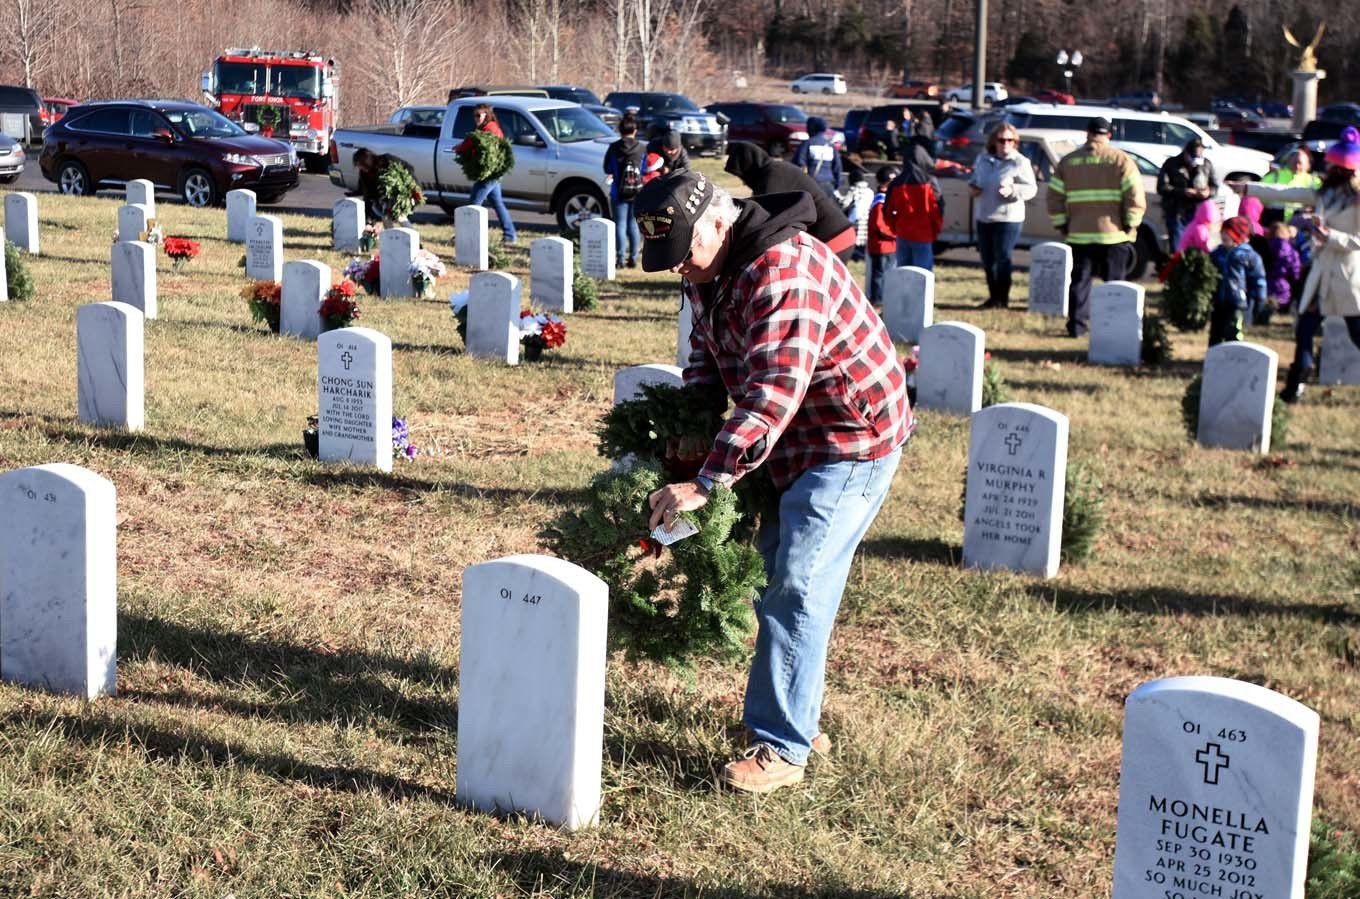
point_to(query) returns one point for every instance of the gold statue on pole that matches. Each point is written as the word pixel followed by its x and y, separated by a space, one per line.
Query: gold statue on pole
pixel 1307 59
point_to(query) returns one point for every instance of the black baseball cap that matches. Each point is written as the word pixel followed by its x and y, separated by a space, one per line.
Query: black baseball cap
pixel 672 140
pixel 1099 125
pixel 667 210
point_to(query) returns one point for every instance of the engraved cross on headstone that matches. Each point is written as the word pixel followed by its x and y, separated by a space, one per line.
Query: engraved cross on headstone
pixel 346 358
pixel 1013 441
pixel 1211 758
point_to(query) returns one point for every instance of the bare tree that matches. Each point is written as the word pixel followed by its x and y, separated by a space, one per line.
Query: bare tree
pixel 26 38
pixel 404 56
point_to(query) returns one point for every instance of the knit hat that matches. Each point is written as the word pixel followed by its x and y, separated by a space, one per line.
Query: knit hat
pixel 1238 228
pixel 1345 153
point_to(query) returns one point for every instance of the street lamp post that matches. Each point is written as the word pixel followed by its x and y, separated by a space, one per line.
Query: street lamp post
pixel 1070 63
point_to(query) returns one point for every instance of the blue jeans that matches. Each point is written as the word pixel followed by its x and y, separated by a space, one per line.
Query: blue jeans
pixel 1175 227
pixel 491 190
pixel 919 254
pixel 995 243
pixel 625 226
pixel 808 547
pixel 878 267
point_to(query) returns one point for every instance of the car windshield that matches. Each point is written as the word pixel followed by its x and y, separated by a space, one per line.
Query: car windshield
pixel 572 124
pixel 783 115
pixel 241 78
pixel 953 126
pixel 574 95
pixel 671 101
pixel 296 81
pixel 202 123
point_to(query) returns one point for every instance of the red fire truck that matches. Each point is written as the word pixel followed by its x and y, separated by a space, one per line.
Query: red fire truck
pixel 290 95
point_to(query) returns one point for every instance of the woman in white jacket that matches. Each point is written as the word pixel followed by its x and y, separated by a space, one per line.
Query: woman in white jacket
pixel 1002 181
pixel 1333 284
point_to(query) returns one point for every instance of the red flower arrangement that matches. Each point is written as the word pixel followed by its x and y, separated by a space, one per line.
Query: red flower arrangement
pixel 364 273
pixel 180 250
pixel 554 334
pixel 339 308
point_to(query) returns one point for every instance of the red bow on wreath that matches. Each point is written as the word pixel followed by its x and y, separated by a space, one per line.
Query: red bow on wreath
pixel 652 546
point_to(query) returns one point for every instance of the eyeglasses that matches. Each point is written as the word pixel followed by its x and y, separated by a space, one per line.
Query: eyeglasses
pixel 1007 140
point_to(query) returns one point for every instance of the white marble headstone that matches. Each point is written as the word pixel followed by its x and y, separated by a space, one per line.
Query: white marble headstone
pixel 493 317
pixel 141 192
pixel 305 283
pixel 684 328
pixel 531 675
pixel 597 248
pixel 397 247
pixel 264 249
pixel 1017 477
pixel 1116 324
pixel 1237 396
pixel 354 394
pixel 58 580
pixel 21 221
pixel 949 377
pixel 132 222
pixel 1215 791
pixel 908 302
pixel 347 224
pixel 1340 360
pixel 240 211
pixel 628 381
pixel 550 273
pixel 470 247
pixel 109 365
pixel 1050 278
pixel 134 275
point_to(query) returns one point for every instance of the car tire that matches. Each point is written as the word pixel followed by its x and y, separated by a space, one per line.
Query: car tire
pixel 1146 252
pixel 575 201
pixel 197 189
pixel 269 199
pixel 796 89
pixel 73 179
pixel 8 179
pixel 826 90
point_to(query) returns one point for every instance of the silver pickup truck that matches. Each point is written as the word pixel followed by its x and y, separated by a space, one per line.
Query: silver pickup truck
pixel 559 156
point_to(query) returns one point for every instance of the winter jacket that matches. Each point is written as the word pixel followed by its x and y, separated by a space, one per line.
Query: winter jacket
pixel 1095 196
pixel 489 126
pixel 818 157
pixel 1202 232
pixel 621 152
pixel 666 166
pixel 855 205
pixel 1290 178
pixel 1283 271
pixel 1243 285
pixel 1177 178
pixel 913 211
pixel 1334 279
pixel 786 333
pixel 882 240
pixel 764 174
pixel 989 172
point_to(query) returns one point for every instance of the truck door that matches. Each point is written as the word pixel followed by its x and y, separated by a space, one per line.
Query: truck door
pixel 534 156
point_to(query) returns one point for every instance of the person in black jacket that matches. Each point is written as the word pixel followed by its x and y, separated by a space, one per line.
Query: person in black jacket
pixel 624 163
pixel 764 174
pixel 666 154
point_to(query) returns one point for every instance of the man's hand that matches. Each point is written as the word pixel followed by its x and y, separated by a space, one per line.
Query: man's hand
pixel 673 499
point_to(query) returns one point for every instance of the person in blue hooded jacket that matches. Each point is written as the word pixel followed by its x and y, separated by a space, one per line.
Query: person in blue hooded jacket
pixel 818 157
pixel 1243 285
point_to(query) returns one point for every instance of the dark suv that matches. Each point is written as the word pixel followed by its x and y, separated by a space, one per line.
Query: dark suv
pixel 874 138
pixel 585 97
pixel 24 101
pixel 177 145
pixel 777 127
pixel 658 113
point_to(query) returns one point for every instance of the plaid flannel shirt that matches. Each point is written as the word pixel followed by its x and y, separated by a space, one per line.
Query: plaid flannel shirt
pixel 805 358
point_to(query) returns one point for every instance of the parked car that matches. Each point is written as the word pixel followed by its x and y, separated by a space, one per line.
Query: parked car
pixel 1147 101
pixel 586 97
pixel 1267 140
pixel 818 83
pixel 873 136
pixel 778 127
pixel 963 135
pixel 853 119
pixel 1277 109
pixel 1207 121
pixel 12 158
pixel 992 91
pixel 418 116
pixel 1323 130
pixel 26 102
pixel 913 89
pixel 53 108
pixel 559 156
pixel 495 91
pixel 657 113
pixel 1051 95
pixel 178 146
pixel 1346 113
pixel 1237 118
pixel 1317 153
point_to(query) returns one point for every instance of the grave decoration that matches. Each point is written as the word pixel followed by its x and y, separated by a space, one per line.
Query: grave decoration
pixel 154 234
pixel 339 308
pixel 180 250
pixel 585 296
pixel 426 269
pixel 1188 297
pixel 263 298
pixel 368 240
pixel 488 158
pixel 538 331
pixel 399 192
pixel 1157 348
pixel 1279 413
pixel 364 272
pixel 1083 511
pixel 670 603
pixel 18 279
pixel 994 389
pixel 497 257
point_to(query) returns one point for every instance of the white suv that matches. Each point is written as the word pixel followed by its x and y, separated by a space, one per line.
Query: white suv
pixel 992 92
pixel 1155 135
pixel 819 83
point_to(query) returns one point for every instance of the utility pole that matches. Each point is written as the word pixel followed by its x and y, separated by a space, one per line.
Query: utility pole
pixel 980 54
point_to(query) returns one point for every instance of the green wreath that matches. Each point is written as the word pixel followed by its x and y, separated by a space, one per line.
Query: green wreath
pixel 18 279
pixel 490 157
pixel 1188 298
pixel 399 190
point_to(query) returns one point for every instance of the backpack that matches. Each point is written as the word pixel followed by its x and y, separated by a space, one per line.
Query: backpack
pixel 630 178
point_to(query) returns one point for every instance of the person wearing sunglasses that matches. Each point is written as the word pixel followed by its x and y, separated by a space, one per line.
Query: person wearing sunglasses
pixel 782 329
pixel 1001 184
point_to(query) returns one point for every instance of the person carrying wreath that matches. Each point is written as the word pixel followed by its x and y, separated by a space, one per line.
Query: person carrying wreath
pixel 783 330
pixel 484 119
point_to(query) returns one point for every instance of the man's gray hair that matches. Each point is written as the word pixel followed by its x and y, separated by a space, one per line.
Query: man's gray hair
pixel 722 206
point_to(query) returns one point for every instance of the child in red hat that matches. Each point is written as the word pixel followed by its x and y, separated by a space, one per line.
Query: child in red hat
pixel 1243 285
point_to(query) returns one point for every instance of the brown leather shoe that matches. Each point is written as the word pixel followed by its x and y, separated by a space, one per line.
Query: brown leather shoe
pixel 760 770
pixel 821 744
